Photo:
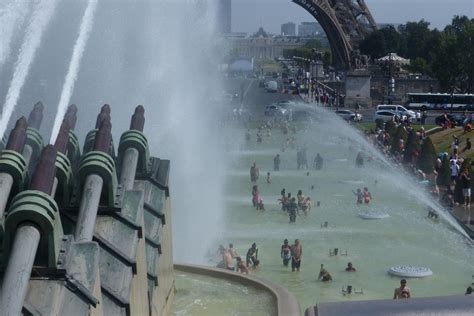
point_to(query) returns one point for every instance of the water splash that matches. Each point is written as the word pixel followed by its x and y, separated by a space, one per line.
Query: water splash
pixel 12 16
pixel 79 46
pixel 39 21
pixel 182 70
pixel 335 126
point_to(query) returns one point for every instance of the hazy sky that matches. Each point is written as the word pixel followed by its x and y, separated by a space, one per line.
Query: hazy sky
pixel 248 15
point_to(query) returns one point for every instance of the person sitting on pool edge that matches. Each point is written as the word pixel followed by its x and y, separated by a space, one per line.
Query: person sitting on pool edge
pixel 241 266
pixel 350 268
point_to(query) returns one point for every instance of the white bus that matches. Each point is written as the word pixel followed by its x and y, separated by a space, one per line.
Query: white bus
pixel 440 101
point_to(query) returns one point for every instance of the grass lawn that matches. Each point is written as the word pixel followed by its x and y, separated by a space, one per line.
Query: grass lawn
pixel 442 141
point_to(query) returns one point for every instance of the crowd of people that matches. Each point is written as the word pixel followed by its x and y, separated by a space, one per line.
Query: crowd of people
pixel 301 204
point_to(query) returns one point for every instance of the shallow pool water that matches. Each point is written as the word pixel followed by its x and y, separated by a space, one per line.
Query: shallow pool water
pixel 406 237
pixel 199 295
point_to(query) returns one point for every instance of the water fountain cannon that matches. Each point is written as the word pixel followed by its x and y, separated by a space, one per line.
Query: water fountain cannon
pixel 36 116
pixel 73 147
pixel 138 119
pixel 33 233
pixel 97 182
pixel 64 176
pixel 71 116
pixel 104 115
pixel 34 141
pixel 12 166
pixel 133 150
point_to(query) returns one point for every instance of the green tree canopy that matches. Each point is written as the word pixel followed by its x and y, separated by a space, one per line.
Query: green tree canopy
pixel 413 143
pixel 444 175
pixel 399 134
pixel 426 161
pixel 390 128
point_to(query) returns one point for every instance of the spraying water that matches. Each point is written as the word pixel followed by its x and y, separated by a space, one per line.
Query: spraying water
pixel 12 15
pixel 398 177
pixel 39 21
pixel 79 46
pixel 184 121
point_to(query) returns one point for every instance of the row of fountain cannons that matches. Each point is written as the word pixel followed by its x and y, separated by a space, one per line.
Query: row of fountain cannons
pixel 83 234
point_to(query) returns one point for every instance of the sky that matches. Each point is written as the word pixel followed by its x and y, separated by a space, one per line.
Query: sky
pixel 249 15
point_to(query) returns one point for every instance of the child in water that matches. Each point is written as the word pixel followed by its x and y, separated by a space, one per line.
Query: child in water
pixel 359 195
pixel 269 178
pixel 367 196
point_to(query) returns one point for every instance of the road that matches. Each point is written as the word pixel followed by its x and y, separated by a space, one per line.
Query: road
pixel 255 98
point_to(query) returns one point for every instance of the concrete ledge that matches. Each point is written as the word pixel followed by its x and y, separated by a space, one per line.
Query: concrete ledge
pixel 287 305
pixel 429 306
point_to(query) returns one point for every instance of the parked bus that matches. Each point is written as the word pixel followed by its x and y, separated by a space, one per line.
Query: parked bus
pixel 440 101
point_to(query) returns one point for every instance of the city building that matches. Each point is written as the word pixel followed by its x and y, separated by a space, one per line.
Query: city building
pixel 288 29
pixel 263 46
pixel 224 16
pixel 306 29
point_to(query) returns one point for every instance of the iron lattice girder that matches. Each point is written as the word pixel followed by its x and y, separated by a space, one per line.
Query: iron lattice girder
pixel 346 23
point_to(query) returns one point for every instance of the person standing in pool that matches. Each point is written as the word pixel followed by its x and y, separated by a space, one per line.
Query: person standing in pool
pixel 285 252
pixel 359 160
pixel 292 210
pixel 254 173
pixel 252 256
pixel 359 195
pixel 350 267
pixel 403 291
pixel 367 196
pixel 296 253
pixel 276 163
pixel 318 162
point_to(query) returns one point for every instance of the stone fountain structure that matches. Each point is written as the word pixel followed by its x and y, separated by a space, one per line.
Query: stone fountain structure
pixel 84 232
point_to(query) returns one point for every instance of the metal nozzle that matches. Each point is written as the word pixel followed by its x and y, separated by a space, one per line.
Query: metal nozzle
pixel 71 116
pixel 103 137
pixel 45 172
pixel 62 139
pixel 17 138
pixel 138 119
pixel 104 113
pixel 36 116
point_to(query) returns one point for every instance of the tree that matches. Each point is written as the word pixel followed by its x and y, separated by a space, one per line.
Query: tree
pixel 419 65
pixel 427 159
pixel 390 128
pixel 417 36
pixel 444 175
pixel 313 43
pixel 379 123
pixel 412 144
pixel 452 62
pixel 374 45
pixel 399 134
pixel 327 59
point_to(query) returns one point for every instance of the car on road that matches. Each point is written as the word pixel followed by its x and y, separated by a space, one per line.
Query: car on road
pixel 387 115
pixel 349 115
pixel 400 109
pixel 274 110
pixel 272 86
